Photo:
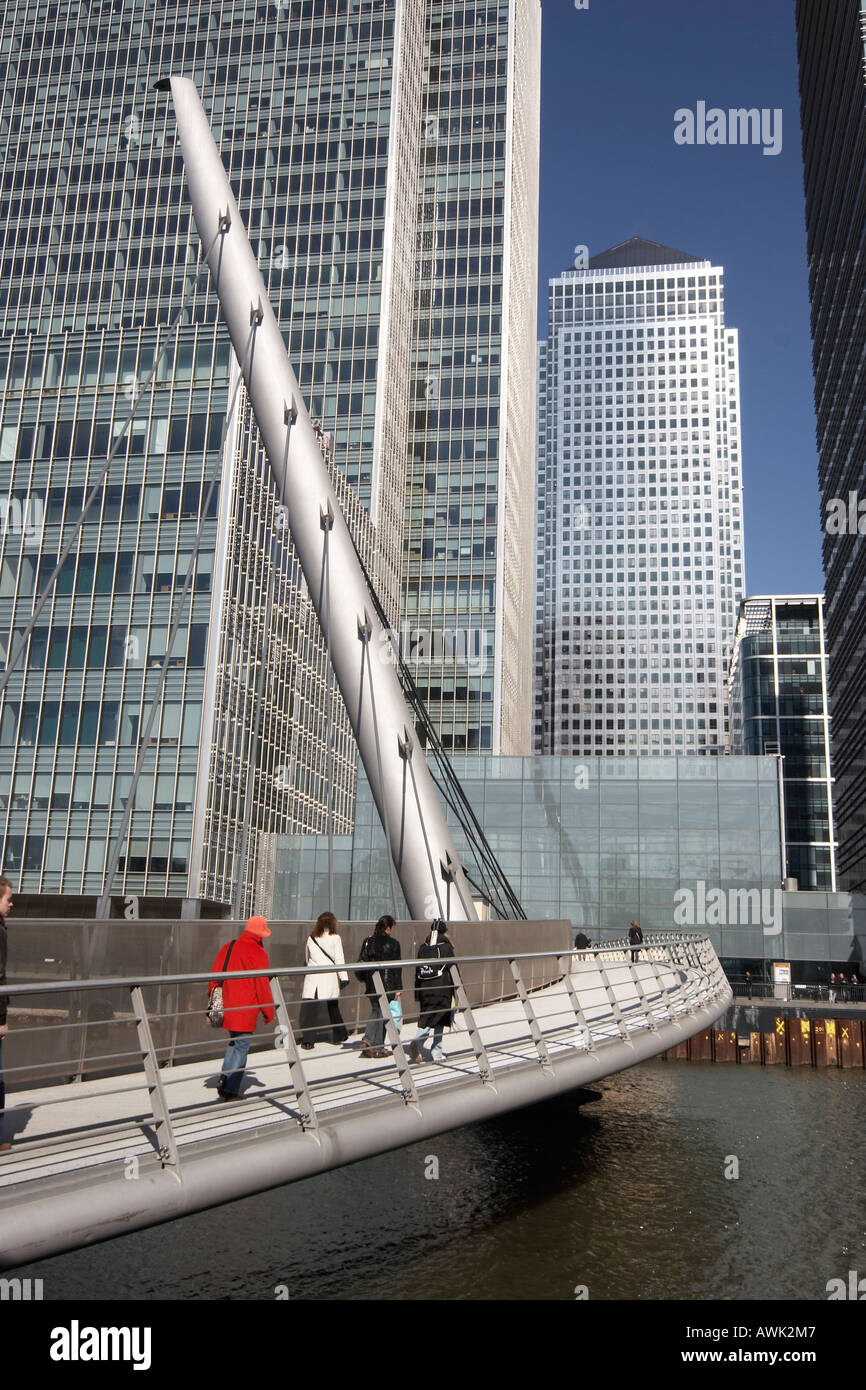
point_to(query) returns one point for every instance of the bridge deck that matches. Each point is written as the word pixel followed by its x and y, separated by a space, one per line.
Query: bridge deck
pixel 63 1183
pixel 62 1130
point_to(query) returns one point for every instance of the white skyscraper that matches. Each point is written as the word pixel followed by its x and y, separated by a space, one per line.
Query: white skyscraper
pixel 639 543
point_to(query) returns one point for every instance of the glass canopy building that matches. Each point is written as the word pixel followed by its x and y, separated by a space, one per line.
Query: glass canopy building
pixel 831 42
pixel 639 542
pixel 778 694
pixel 326 115
pixel 598 841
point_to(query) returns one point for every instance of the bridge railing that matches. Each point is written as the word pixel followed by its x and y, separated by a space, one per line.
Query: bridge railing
pixel 55 949
pixel 304 1112
pixel 600 988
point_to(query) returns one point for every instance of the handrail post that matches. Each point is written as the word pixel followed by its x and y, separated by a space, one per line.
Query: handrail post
pixel 306 1109
pixel 168 1155
pixel 665 994
pixel 404 1071
pixel 643 999
pixel 614 1004
pixel 575 1002
pixel 531 1017
pixel 484 1069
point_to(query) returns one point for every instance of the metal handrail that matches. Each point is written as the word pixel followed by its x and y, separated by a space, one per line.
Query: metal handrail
pixel 669 1004
pixel 281 971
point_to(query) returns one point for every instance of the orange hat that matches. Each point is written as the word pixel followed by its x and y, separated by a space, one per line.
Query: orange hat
pixel 257 926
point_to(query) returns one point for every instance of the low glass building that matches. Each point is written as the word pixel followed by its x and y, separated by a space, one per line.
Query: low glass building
pixel 682 841
pixel 598 841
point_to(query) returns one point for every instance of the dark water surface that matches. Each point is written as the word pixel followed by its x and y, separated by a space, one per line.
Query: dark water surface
pixel 628 1197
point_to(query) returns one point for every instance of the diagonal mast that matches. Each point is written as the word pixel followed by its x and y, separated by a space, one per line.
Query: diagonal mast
pixel 421 846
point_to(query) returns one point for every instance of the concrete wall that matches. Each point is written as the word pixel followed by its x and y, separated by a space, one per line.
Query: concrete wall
pixel 61 1036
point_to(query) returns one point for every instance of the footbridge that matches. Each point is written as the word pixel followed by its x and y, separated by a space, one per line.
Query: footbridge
pixel 118 1126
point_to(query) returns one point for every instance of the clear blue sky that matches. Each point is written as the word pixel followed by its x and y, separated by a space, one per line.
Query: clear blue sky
pixel 612 77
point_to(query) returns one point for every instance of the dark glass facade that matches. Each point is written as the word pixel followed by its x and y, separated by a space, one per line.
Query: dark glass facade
pixel 778 697
pixel 832 56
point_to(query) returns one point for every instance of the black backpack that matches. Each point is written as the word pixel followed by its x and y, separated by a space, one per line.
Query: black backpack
pixel 431 971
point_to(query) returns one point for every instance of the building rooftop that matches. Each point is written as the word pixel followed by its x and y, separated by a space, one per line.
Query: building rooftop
pixel 637 251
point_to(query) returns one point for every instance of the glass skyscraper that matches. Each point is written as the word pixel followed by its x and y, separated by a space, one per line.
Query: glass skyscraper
pixel 779 704
pixel 320 111
pixel 831 42
pixel 639 542
pixel 469 521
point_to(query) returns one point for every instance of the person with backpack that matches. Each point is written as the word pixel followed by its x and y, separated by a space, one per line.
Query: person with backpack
pixel 635 938
pixel 242 1001
pixel 321 1020
pixel 434 991
pixel 381 946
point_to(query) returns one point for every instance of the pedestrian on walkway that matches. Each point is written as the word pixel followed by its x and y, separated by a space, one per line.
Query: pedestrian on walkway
pixel 434 991
pixel 635 937
pixel 842 988
pixel 321 1020
pixel 6 906
pixel 381 946
pixel 243 1001
pixel 749 983
pixel 831 987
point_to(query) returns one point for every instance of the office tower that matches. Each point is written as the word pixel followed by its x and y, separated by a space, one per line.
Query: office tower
pixel 317 109
pixel 831 41
pixel 639 549
pixel 778 701
pixel 468 571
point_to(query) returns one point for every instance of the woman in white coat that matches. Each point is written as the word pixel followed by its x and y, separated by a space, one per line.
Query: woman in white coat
pixel 321 1020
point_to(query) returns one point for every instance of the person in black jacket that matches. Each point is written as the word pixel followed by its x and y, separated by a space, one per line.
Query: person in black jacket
pixel 5 908
pixel 433 991
pixel 635 937
pixel 381 946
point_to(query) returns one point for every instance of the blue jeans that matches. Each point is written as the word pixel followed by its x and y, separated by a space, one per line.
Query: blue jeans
pixel 234 1063
pixel 374 1033
pixel 424 1033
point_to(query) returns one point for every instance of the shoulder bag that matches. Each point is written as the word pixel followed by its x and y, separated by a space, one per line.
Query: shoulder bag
pixel 216 1008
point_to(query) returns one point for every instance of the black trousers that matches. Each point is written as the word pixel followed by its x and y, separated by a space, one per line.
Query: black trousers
pixel 321 1021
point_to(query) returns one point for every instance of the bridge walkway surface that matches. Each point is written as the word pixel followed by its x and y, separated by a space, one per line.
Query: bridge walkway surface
pixel 98 1157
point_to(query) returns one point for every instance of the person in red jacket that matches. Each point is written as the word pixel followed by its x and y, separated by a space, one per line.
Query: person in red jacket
pixel 243 1000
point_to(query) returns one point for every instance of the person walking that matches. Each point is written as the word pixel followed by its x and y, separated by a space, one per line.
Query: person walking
pixel 243 1001
pixel 842 988
pixel 831 987
pixel 381 946
pixel 749 983
pixel 320 996
pixel 635 937
pixel 6 906
pixel 434 991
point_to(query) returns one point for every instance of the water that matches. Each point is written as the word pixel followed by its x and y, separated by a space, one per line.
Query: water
pixel 627 1197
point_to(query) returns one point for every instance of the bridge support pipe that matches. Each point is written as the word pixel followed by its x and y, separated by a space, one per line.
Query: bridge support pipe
pixel 371 690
